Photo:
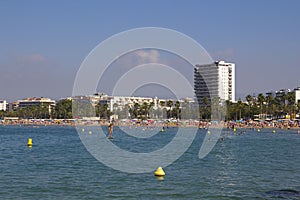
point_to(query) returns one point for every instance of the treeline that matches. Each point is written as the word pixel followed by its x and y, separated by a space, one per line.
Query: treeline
pixel 62 110
pixel 168 109
pixel 140 111
pixel 277 107
pixel 84 108
pixel 268 105
pixel 255 106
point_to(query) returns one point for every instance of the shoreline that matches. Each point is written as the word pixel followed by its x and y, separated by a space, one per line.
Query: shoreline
pixel 156 124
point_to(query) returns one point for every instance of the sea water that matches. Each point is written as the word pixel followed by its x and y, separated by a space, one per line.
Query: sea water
pixel 58 166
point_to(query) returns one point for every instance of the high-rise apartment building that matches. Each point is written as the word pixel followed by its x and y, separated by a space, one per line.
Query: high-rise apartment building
pixel 215 80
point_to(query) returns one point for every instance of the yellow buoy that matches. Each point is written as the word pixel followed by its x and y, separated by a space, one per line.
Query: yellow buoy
pixel 82 130
pixel 29 143
pixel 274 131
pixel 258 130
pixel 208 132
pixel 159 172
pixel 234 130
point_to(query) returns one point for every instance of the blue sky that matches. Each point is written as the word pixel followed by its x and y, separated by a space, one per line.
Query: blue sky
pixel 43 43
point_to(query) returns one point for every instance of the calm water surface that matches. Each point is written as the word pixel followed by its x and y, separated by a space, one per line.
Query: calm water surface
pixel 59 167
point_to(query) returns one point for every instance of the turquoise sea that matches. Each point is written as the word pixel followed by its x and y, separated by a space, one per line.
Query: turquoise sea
pixel 248 166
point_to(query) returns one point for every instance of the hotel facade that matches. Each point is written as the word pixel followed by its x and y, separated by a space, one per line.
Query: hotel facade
pixel 42 101
pixel 215 80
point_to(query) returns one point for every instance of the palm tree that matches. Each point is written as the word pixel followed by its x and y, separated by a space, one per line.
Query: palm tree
pixel 177 110
pixel 162 105
pixel 135 110
pixel 269 101
pixel 144 110
pixel 261 100
pixel 228 110
pixel 204 108
pixel 98 109
pixel 102 111
pixel 240 107
pixel 291 101
pixel 283 99
pixel 151 111
pixel 277 108
pixel 249 100
pixel 170 105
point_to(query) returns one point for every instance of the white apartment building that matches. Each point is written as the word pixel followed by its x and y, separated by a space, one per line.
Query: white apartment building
pixel 3 105
pixel 226 81
pixel 297 95
pixel 116 102
pixel 36 102
pixel 120 102
pixel 215 80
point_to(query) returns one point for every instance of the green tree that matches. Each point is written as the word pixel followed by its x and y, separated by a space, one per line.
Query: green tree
pixel 249 100
pixel 63 109
pixel 204 108
pixel 284 99
pixel 240 108
pixel 151 113
pixel 103 111
pixel 144 111
pixel 261 100
pixel 169 111
pixel 291 103
pixel 135 110
pixel 162 105
pixel 176 112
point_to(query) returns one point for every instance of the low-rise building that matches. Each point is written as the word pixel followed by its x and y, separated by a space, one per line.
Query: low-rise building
pixel 279 94
pixel 42 101
pixel 297 94
pixel 282 92
pixel 3 105
pixel 13 106
pixel 120 105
